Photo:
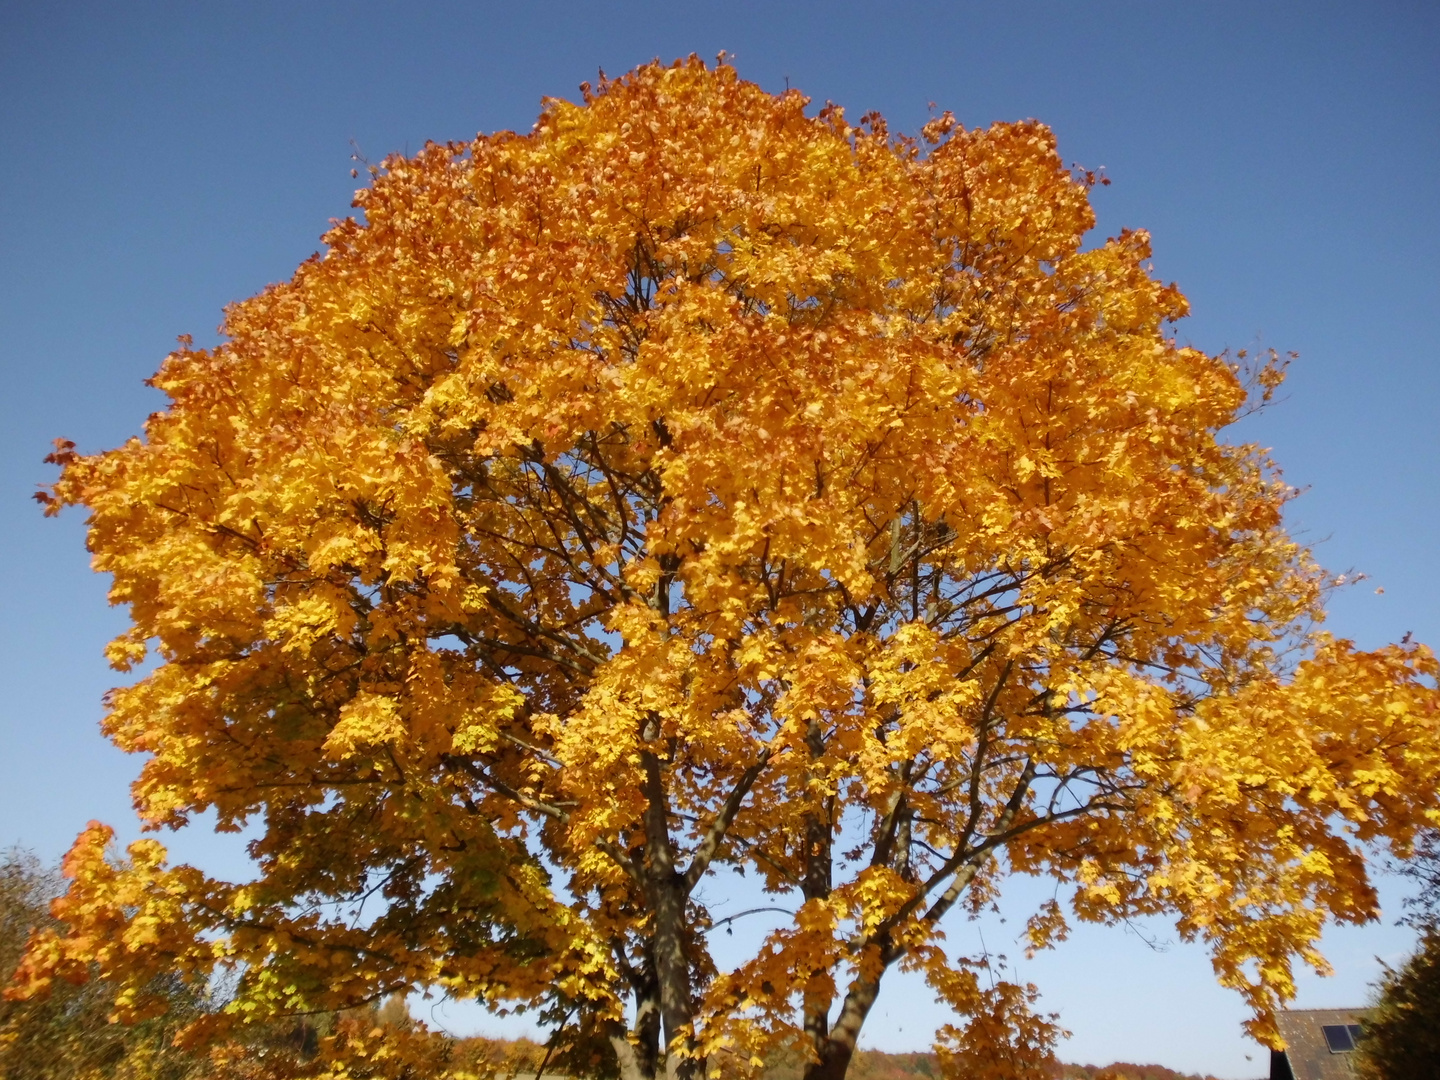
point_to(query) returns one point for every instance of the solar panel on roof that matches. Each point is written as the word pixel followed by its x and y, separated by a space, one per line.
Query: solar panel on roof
pixel 1338 1038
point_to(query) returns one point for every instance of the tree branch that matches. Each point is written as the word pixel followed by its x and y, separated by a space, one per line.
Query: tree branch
pixel 700 862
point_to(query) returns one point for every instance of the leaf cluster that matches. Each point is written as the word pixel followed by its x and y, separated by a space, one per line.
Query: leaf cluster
pixel 68 1036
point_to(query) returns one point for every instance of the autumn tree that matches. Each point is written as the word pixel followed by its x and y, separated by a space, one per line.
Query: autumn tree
pixel 66 1035
pixel 702 483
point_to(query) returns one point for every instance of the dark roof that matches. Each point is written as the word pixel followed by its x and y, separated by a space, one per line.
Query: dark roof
pixel 1306 1051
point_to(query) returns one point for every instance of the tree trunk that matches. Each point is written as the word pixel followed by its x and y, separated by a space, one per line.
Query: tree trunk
pixel 647 1031
pixel 672 967
pixel 667 896
pixel 816 885
pixel 630 1068
pixel 839 1046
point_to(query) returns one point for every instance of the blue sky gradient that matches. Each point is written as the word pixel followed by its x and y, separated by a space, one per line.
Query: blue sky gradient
pixel 163 159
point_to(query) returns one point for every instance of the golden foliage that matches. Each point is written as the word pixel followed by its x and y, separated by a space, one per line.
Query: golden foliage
pixel 695 482
pixel 66 1036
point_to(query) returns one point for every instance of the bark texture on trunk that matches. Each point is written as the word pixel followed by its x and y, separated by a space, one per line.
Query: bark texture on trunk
pixel 625 1054
pixel 638 1049
pixel 816 885
pixel 667 896
pixel 839 1045
pixel 672 966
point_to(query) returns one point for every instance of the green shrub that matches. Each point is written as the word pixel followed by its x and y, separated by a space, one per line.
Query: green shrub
pixel 1402 1036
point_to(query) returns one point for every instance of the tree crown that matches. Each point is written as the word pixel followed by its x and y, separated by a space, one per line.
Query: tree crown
pixel 695 482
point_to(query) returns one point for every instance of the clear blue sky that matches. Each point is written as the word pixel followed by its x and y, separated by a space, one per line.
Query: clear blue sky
pixel 163 159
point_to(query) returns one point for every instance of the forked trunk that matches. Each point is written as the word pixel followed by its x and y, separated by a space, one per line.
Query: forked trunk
pixel 838 1047
pixel 661 1010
